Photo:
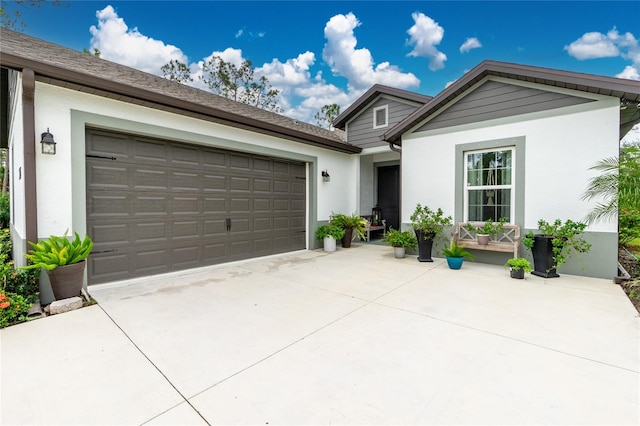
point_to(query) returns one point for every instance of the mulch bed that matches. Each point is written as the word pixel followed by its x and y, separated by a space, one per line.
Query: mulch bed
pixel 631 286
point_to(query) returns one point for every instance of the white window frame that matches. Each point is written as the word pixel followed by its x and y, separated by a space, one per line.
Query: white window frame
pixel 386 117
pixel 512 186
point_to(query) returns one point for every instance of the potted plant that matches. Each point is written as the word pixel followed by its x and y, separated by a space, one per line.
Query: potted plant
pixel 329 234
pixel 455 255
pixel 487 229
pixel 518 266
pixel 428 225
pixel 350 224
pixel 400 241
pixel 64 261
pixel 553 245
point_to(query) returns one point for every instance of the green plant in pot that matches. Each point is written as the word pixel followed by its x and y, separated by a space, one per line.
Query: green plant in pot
pixel 400 241
pixel 554 244
pixel 428 225
pixel 329 234
pixel 456 254
pixel 518 266
pixel 484 231
pixel 351 224
pixel 64 260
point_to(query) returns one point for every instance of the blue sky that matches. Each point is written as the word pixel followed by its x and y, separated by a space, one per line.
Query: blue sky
pixel 323 52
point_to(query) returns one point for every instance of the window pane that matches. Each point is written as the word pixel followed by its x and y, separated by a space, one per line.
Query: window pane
pixel 489 204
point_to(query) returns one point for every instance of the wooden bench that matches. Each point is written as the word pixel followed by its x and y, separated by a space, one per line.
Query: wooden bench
pixel 506 241
pixel 371 227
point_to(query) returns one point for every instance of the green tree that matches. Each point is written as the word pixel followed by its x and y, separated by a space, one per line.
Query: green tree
pixel 95 52
pixel 238 83
pixel 618 186
pixel 176 71
pixel 11 15
pixel 326 115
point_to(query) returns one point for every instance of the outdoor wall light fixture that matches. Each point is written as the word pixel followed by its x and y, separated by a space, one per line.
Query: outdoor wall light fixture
pixel 48 144
pixel 325 176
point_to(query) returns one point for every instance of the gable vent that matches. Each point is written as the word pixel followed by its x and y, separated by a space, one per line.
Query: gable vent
pixel 380 117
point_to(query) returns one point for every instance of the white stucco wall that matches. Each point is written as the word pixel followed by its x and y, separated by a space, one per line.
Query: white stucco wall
pixel 61 178
pixel 561 146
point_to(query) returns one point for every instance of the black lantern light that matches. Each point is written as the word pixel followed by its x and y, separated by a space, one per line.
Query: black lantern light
pixel 325 176
pixel 48 143
pixel 376 215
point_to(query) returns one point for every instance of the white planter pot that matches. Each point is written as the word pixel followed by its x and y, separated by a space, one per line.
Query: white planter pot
pixel 329 244
pixel 399 252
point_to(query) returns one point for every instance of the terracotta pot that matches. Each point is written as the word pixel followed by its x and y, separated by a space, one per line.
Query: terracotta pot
pixel 66 281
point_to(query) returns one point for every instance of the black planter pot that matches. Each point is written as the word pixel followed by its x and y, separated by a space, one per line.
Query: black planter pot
pixel 425 245
pixel 519 274
pixel 543 263
pixel 348 236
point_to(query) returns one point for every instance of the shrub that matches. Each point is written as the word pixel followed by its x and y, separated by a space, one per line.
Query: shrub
pixel 629 225
pixel 5 215
pixel 329 231
pixel 23 283
pixel 13 308
pixel 5 243
pixel 404 239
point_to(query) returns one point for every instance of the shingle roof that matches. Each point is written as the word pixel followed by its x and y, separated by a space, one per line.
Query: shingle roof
pixel 375 91
pixel 79 71
pixel 626 90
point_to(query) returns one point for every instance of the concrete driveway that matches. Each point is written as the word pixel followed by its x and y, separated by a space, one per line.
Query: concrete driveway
pixel 352 337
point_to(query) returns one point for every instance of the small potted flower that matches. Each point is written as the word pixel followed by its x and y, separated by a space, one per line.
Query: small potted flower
pixel 400 241
pixel 518 266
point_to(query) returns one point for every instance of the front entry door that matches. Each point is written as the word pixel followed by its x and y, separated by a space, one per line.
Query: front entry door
pixel 389 195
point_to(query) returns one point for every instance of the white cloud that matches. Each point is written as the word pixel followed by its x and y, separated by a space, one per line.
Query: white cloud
pixel 470 43
pixel 357 65
pixel 426 34
pixel 117 43
pixel 593 45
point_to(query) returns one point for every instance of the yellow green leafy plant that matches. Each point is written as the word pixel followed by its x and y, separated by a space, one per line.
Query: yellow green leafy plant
pixel 58 251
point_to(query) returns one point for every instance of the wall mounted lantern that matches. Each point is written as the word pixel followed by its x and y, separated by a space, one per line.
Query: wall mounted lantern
pixel 325 176
pixel 48 143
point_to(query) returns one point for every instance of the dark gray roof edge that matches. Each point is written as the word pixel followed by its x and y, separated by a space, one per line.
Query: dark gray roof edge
pixel 369 95
pixel 610 86
pixel 166 93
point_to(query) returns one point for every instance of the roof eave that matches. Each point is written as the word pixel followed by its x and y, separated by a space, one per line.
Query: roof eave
pixel 96 82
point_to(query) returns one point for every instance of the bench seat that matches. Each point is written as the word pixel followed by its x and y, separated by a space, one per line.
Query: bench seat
pixel 508 241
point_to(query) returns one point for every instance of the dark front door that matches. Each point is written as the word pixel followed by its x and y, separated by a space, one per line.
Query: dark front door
pixel 389 195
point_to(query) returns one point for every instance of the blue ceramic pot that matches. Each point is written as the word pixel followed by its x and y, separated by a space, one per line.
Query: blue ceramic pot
pixel 455 262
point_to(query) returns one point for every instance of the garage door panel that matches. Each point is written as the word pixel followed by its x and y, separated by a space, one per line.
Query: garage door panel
pixel 190 229
pixel 239 183
pixel 108 176
pixel 183 181
pixel 108 205
pixel 214 183
pixel 145 233
pixel 185 205
pixel 150 179
pixel 162 206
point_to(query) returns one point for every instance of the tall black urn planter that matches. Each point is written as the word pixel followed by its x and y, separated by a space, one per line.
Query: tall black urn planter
pixel 425 245
pixel 346 239
pixel 543 263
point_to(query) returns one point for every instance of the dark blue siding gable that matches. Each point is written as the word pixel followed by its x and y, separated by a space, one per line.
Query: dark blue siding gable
pixel 497 100
pixel 360 131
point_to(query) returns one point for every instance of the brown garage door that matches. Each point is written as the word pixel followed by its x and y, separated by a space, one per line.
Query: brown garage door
pixel 155 206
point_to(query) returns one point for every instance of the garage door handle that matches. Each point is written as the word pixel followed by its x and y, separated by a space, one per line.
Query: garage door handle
pixel 105 251
pixel 228 222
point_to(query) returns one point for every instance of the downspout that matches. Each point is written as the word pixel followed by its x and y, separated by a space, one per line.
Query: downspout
pixel 29 146
pixel 397 149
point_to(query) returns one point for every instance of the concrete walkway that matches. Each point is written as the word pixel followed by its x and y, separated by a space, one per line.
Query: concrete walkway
pixel 352 337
